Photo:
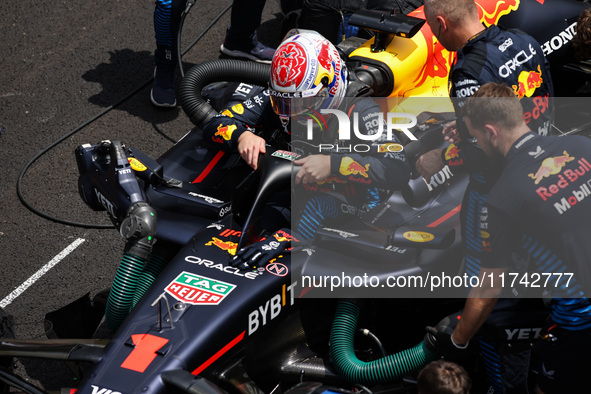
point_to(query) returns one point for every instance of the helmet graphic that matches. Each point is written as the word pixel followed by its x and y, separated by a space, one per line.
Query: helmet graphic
pixel 306 72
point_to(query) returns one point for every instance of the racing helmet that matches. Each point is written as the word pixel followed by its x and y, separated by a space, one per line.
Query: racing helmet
pixel 306 72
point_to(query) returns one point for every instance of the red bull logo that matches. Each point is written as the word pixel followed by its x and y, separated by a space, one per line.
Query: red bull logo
pixel 490 11
pixel 228 246
pixel 351 167
pixel 551 166
pixel 225 131
pixel 451 152
pixel 528 82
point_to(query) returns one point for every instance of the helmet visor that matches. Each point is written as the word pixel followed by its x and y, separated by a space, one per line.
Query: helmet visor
pixel 295 103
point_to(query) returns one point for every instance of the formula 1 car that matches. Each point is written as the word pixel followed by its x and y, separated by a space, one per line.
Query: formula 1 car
pixel 185 320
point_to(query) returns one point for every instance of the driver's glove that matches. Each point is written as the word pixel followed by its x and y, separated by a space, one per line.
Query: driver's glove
pixel 260 253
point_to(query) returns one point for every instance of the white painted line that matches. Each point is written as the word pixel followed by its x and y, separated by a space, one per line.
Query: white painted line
pixel 42 271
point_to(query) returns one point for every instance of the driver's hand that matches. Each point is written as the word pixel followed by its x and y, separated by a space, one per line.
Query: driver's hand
pixel 250 146
pixel 450 132
pixel 429 164
pixel 315 168
pixel 260 253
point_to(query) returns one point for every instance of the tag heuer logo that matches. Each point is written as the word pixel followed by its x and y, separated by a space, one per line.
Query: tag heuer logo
pixel 284 154
pixel 198 290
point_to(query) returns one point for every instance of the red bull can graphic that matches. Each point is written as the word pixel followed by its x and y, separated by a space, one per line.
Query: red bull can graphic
pixel 228 246
pixel 225 131
pixel 551 166
pixel 351 167
pixel 528 82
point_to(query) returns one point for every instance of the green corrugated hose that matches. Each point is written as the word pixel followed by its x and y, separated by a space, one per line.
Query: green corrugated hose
pixel 120 299
pixel 153 268
pixel 383 370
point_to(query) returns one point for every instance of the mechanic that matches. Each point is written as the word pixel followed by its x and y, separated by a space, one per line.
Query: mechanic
pixel 241 41
pixel 308 65
pixel 581 42
pixel 441 376
pixel 326 16
pixel 485 55
pixel 538 206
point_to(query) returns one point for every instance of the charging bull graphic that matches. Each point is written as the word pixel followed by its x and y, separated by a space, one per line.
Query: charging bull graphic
pixel 528 82
pixel 225 131
pixel 351 167
pixel 228 246
pixel 551 166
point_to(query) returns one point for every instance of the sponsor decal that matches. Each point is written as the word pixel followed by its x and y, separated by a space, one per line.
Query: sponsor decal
pixel 418 236
pixel 389 147
pixel 136 165
pixel 451 152
pixel 277 269
pixel 228 113
pixel 221 267
pixel 230 233
pixel 577 196
pixel 523 333
pixel 102 390
pixel 528 82
pixel 440 178
pixel 351 167
pixel 270 309
pixel 550 166
pixel 224 211
pixel 110 207
pixel 198 290
pixel 396 249
pixel 491 11
pixel 228 246
pixel 330 180
pixel 225 131
pixel 343 234
pixel 285 154
pixel 238 108
pixel 512 64
pixel 503 47
pixel 452 155
pixel 208 199
pixel 557 42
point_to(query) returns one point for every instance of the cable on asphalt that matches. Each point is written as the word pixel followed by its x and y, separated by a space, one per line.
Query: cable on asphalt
pixel 86 123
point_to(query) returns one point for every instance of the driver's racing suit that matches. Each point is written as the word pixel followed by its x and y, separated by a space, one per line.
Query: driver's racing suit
pixel 361 178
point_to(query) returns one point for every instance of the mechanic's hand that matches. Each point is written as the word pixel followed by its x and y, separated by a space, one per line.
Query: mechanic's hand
pixel 429 164
pixel 439 339
pixel 260 253
pixel 315 168
pixel 250 146
pixel 450 132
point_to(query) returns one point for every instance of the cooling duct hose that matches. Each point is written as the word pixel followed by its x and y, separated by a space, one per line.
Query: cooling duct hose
pixel 383 370
pixel 222 70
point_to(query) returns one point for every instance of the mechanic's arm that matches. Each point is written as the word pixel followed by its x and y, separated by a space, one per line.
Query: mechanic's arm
pixel 480 303
pixel 496 257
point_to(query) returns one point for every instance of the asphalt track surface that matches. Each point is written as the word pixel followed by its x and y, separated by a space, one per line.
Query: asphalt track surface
pixel 63 64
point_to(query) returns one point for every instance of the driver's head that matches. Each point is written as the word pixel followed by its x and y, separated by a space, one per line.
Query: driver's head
pixel 306 72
